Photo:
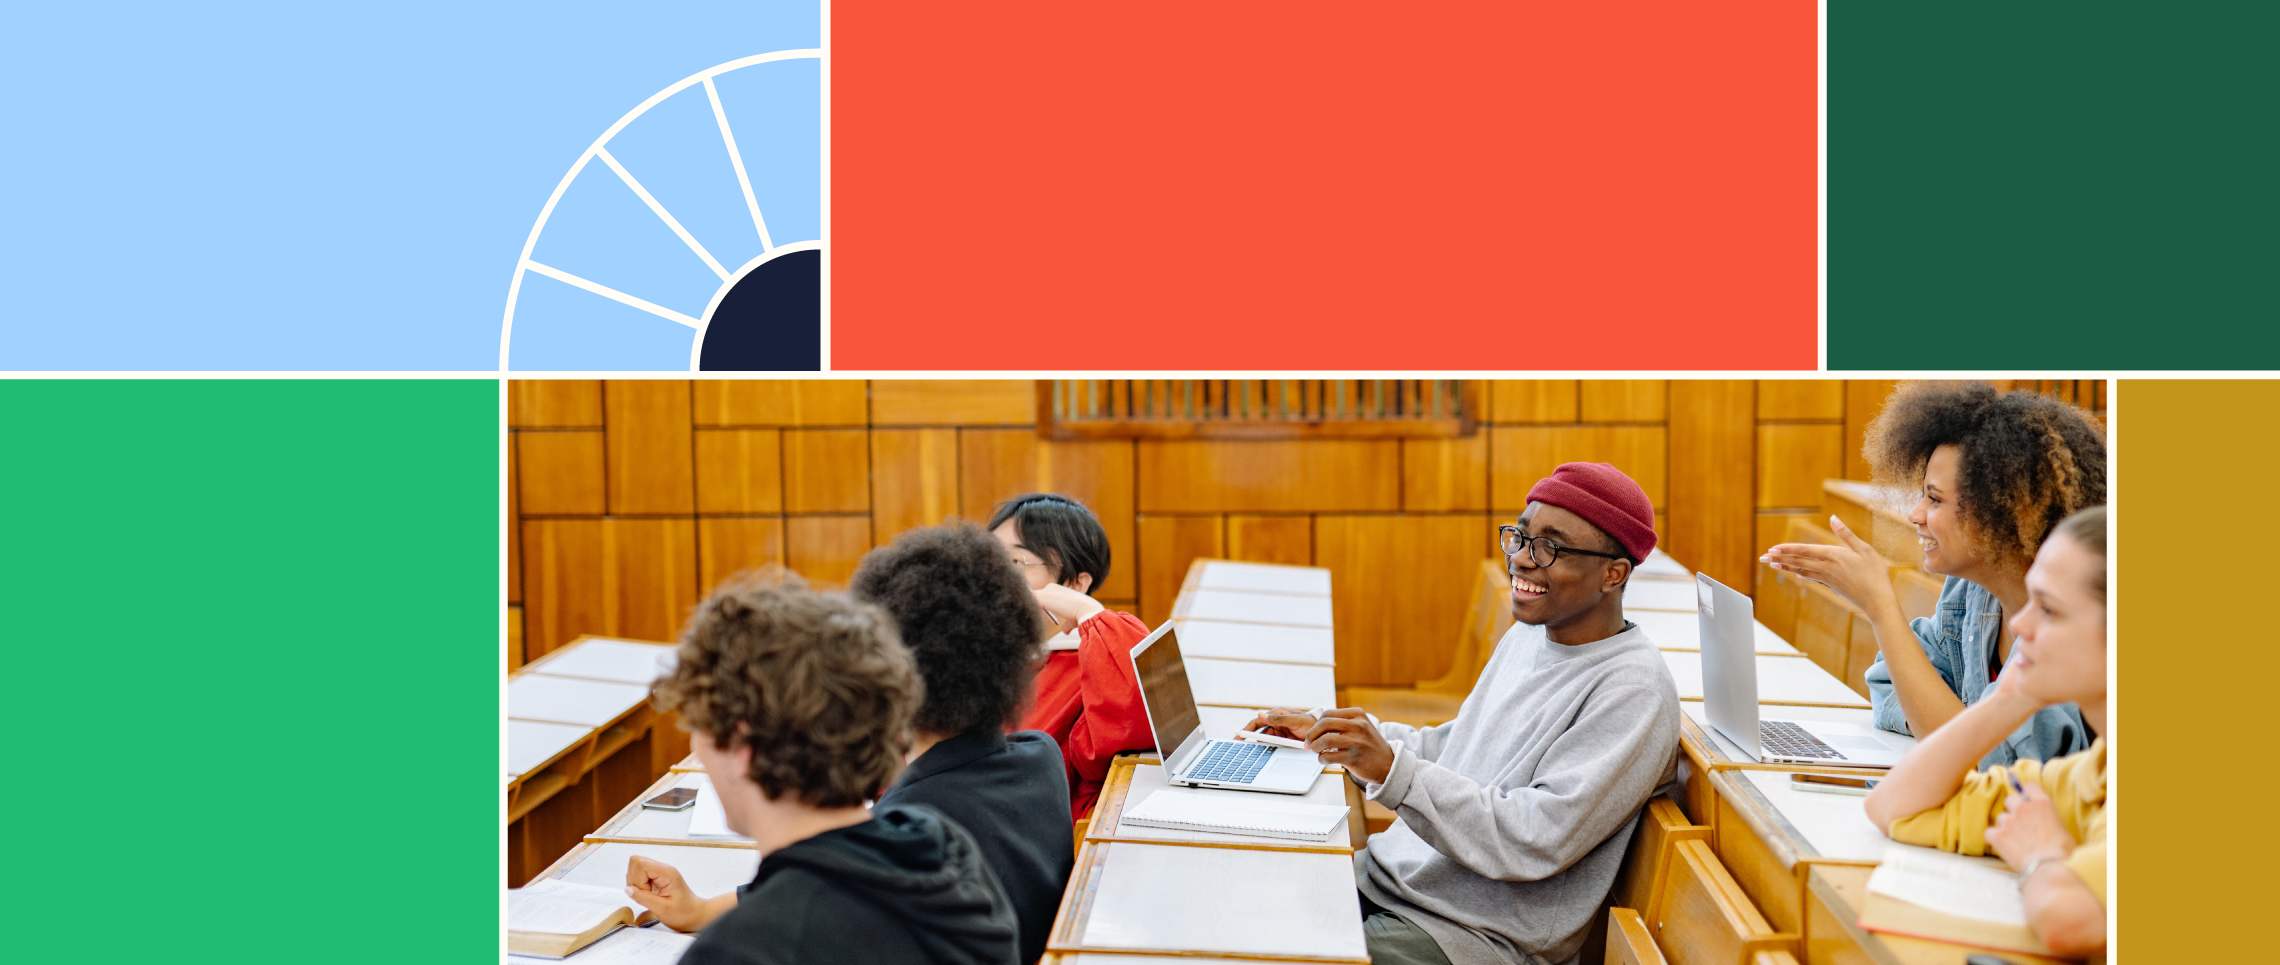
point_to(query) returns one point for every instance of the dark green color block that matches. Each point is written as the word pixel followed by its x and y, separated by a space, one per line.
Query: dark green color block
pixel 253 669
pixel 2053 186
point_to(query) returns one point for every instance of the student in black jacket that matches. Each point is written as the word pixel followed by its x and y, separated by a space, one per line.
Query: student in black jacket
pixel 799 706
pixel 969 617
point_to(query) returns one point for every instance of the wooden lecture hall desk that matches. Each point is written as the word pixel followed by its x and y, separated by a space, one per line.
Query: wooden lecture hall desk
pixel 581 710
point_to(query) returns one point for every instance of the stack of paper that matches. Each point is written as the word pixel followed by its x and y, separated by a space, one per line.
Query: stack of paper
pixel 1238 814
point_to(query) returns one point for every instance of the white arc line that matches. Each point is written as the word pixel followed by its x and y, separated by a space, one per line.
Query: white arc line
pixel 737 160
pixel 666 216
pixel 610 293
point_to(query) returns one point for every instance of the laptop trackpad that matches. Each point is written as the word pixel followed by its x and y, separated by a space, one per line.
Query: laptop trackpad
pixel 1844 742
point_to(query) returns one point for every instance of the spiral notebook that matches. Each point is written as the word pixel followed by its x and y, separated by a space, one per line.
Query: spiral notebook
pixel 1237 814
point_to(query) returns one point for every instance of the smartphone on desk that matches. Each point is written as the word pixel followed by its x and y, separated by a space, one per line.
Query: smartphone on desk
pixel 673 800
pixel 1831 784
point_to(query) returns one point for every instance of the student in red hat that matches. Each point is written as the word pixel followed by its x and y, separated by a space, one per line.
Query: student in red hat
pixel 1513 817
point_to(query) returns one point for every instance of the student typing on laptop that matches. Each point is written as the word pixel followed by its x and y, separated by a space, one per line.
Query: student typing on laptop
pixel 1513 817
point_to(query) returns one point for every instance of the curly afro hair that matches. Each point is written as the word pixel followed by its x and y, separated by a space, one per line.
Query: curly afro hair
pixel 818 686
pixel 2028 461
pixel 966 615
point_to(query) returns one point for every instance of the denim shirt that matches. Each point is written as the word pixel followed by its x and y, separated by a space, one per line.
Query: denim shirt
pixel 1960 640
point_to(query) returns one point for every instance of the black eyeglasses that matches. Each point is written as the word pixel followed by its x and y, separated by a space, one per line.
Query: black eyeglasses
pixel 1541 550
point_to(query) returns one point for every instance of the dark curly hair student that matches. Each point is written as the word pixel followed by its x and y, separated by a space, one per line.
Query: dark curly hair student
pixel 1993 472
pixel 966 616
pixel 2026 460
pixel 977 633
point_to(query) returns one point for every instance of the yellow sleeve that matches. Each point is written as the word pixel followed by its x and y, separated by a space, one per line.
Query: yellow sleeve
pixel 1961 824
pixel 2088 862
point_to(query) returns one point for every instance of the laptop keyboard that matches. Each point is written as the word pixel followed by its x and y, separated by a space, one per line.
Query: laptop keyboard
pixel 1231 763
pixel 1789 740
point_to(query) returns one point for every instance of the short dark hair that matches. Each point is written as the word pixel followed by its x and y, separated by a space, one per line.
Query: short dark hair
pixel 2028 460
pixel 818 686
pixel 1062 531
pixel 966 615
pixel 2088 530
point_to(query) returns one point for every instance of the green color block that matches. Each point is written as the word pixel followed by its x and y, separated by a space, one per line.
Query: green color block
pixel 2053 186
pixel 253 669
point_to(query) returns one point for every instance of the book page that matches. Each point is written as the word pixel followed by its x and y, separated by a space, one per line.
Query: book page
pixel 1949 883
pixel 625 946
pixel 561 907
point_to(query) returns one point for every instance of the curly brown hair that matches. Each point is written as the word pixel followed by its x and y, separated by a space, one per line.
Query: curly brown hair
pixel 2028 461
pixel 818 686
pixel 967 615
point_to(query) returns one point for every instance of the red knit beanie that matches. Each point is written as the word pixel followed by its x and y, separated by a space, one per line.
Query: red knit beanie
pixel 1605 498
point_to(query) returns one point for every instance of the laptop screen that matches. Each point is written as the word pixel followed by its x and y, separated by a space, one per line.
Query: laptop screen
pixel 1164 686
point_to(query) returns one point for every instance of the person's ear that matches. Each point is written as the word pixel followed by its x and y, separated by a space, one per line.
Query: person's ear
pixel 1618 571
pixel 1082 584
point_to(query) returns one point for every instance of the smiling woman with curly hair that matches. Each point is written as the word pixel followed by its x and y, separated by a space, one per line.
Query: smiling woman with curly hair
pixel 1995 472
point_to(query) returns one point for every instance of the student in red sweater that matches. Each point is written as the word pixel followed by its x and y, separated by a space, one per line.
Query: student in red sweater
pixel 1087 697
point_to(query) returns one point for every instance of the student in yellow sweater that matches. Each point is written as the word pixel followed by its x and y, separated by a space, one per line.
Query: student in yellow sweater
pixel 2048 820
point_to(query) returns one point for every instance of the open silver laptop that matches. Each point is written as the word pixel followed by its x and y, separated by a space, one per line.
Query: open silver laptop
pixel 1190 758
pixel 1729 693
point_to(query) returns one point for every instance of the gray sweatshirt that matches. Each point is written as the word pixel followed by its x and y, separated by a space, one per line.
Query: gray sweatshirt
pixel 1514 816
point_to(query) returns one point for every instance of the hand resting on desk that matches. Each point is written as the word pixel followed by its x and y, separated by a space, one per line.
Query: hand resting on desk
pixel 1344 737
pixel 659 887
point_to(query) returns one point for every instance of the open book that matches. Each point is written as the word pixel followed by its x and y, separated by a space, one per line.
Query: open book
pixel 1237 813
pixel 1925 893
pixel 550 918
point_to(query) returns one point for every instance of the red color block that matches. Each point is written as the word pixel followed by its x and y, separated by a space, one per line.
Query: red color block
pixel 1283 185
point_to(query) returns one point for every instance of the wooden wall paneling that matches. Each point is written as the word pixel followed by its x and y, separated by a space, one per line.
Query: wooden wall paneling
pixel 779 402
pixel 1775 602
pixel 1792 460
pixel 1712 432
pixel 1532 400
pixel 945 402
pixel 561 822
pixel 651 466
pixel 649 576
pixel 1167 545
pixel 827 471
pixel 1824 628
pixel 559 473
pixel 514 521
pixel 825 549
pixel 1864 398
pixel 563 577
pixel 1860 652
pixel 1519 456
pixel 1625 400
pixel 1291 476
pixel 554 403
pixel 514 637
pixel 1773 528
pixel 1790 400
pixel 998 464
pixel 1403 585
pixel 740 471
pixel 1271 539
pixel 728 546
pixel 1445 474
pixel 914 480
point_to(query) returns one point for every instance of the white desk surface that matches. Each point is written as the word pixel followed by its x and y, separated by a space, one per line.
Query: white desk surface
pixel 531 743
pixel 1248 683
pixel 1178 898
pixel 1265 578
pixel 620 660
pixel 1223 722
pixel 1848 715
pixel 1099 958
pixel 1147 779
pixel 1240 607
pixel 1835 825
pixel 1660 595
pixel 1660 566
pixel 709 871
pixel 1255 641
pixel 1683 631
pixel 568 700
pixel 673 825
pixel 1779 679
